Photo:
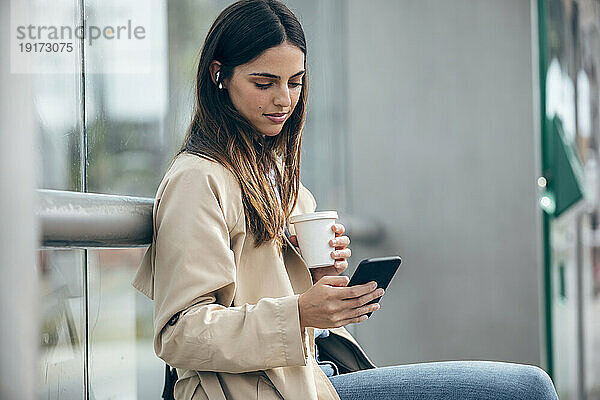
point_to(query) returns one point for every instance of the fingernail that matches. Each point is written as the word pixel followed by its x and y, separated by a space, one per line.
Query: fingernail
pixel 333 242
pixel 374 285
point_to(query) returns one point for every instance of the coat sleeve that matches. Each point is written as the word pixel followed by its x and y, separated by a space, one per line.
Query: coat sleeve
pixel 195 281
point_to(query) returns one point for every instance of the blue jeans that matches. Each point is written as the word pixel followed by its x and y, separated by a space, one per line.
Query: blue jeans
pixel 448 380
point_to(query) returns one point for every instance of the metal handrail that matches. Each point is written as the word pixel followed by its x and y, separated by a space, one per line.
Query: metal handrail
pixel 84 220
pixel 81 220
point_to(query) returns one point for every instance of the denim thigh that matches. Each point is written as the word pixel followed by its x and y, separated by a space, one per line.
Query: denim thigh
pixel 448 380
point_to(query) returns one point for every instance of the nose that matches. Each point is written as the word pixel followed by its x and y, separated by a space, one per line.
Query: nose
pixel 282 98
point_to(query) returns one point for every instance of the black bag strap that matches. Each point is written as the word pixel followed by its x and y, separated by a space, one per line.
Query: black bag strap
pixel 170 379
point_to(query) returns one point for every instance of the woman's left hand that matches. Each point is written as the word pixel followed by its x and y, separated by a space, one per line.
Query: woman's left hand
pixel 340 255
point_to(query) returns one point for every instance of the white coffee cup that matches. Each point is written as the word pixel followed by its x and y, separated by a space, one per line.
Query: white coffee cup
pixel 314 232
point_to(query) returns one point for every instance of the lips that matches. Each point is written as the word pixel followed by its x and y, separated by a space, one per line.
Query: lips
pixel 276 118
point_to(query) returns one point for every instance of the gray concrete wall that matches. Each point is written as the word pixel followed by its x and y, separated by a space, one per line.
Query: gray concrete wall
pixel 442 145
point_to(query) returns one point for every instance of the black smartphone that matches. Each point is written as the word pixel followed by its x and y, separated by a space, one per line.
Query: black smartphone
pixel 378 269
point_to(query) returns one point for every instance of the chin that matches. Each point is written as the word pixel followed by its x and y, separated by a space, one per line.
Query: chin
pixel 271 133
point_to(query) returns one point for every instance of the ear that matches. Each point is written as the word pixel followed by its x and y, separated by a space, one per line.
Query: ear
pixel 214 67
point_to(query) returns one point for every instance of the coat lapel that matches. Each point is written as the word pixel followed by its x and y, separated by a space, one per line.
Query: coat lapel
pixel 297 268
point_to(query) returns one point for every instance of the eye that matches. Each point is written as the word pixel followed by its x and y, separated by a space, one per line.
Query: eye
pixel 263 86
pixel 268 85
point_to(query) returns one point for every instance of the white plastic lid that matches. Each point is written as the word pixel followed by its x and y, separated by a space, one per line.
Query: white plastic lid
pixel 316 215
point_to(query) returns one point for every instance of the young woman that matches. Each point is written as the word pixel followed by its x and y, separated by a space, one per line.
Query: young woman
pixel 236 308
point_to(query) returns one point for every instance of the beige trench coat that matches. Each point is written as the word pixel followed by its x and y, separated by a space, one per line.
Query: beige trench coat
pixel 226 313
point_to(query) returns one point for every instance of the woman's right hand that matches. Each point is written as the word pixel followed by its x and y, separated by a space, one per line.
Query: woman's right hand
pixel 329 303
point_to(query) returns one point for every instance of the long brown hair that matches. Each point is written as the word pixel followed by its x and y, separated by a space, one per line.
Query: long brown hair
pixel 239 34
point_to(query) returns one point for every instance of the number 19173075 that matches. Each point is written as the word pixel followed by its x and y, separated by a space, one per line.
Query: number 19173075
pixel 46 47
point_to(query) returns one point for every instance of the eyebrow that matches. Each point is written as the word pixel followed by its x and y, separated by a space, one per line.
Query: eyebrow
pixel 267 75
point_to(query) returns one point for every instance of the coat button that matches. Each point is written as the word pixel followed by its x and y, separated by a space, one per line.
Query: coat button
pixel 174 319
